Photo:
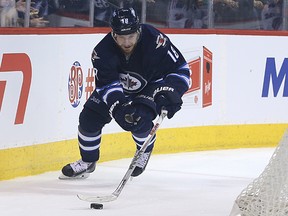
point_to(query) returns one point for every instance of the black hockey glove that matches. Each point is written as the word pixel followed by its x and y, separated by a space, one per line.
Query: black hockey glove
pixel 127 117
pixel 168 98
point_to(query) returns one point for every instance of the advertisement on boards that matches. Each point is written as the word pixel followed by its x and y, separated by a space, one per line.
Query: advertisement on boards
pixel 199 94
pixel 41 95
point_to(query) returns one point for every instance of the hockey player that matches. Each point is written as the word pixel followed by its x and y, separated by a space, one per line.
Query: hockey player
pixel 138 71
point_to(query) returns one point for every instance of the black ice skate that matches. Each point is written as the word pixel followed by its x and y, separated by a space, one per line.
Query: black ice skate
pixel 78 170
pixel 141 164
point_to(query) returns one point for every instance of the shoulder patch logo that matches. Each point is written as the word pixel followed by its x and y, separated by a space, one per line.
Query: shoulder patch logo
pixel 94 55
pixel 161 41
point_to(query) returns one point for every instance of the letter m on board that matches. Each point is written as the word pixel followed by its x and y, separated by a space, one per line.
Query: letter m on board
pixel 271 77
pixel 17 63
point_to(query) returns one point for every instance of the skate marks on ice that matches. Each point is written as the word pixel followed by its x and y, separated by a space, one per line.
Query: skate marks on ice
pixel 203 183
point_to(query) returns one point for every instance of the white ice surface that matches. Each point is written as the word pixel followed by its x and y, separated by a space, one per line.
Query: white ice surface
pixel 186 184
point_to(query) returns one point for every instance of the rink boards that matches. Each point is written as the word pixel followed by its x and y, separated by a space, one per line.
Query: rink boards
pixel 46 78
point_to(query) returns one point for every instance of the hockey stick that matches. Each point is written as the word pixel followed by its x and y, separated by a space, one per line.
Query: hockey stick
pixel 138 154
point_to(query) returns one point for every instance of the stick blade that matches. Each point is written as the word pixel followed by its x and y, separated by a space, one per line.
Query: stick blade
pixel 100 199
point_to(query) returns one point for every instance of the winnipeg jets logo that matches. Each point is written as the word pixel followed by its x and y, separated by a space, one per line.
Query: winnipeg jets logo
pixel 132 82
pixel 128 82
pixel 94 55
pixel 161 41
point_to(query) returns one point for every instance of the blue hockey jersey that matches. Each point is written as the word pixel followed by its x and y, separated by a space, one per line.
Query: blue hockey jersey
pixel 154 59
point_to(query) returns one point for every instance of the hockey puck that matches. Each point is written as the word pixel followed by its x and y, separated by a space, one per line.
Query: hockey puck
pixel 96 206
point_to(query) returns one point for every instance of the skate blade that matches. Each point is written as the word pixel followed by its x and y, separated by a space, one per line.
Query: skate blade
pixel 82 176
